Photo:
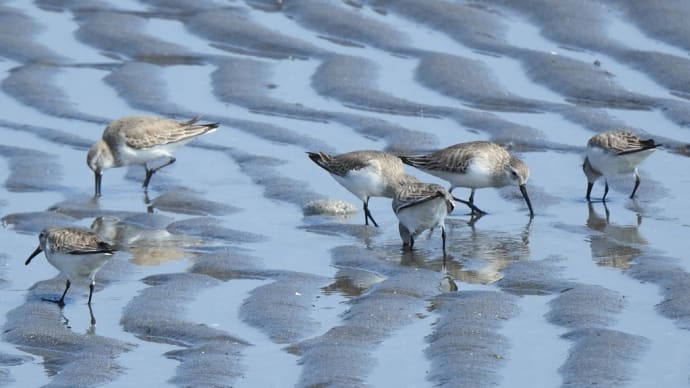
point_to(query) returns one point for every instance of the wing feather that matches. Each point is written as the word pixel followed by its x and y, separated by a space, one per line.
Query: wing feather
pixel 140 132
pixel 621 142
pixel 78 241
pixel 416 193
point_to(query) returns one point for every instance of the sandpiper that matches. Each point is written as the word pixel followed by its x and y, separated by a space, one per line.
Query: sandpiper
pixel 365 174
pixel 474 165
pixel 76 253
pixel 420 206
pixel 140 140
pixel 615 152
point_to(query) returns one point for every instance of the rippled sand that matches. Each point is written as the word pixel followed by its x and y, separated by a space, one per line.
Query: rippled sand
pixel 244 267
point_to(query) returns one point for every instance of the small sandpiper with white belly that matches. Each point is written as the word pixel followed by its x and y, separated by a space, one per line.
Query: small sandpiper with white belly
pixel 420 206
pixel 365 174
pixel 76 253
pixel 475 165
pixel 140 140
pixel 615 152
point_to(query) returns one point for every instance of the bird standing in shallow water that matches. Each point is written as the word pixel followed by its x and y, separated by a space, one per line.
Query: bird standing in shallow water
pixel 76 253
pixel 475 165
pixel 365 174
pixel 615 152
pixel 140 140
pixel 420 206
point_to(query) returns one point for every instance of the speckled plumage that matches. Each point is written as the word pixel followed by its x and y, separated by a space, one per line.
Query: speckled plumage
pixel 140 140
pixel 620 142
pixel 414 194
pixel 76 253
pixel 420 206
pixel 73 241
pixel 365 174
pixel 474 165
pixel 615 152
pixel 140 132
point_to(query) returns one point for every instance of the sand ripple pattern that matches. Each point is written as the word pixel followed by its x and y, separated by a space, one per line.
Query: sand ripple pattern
pixel 226 274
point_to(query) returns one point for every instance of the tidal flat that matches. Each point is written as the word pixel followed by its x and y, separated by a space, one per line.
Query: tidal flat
pixel 246 265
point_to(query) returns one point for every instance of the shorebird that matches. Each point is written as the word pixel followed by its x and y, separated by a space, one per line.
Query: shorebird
pixel 615 152
pixel 420 206
pixel 140 140
pixel 365 174
pixel 474 165
pixel 76 253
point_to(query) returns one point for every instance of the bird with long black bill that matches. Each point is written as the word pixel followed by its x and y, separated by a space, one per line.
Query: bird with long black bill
pixel 77 253
pixel 365 174
pixel 141 140
pixel 615 152
pixel 475 165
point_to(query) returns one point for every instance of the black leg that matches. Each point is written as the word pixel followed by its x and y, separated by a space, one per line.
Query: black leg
pixel 365 209
pixel 589 190
pixel 411 242
pixel 367 214
pixel 475 210
pixel 472 197
pixel 147 179
pixel 93 319
pixel 150 172
pixel 606 190
pixel 443 238
pixel 637 184
pixel 91 286
pixel 61 302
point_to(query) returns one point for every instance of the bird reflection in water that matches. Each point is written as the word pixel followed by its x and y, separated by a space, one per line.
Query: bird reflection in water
pixel 352 282
pixel 91 330
pixel 613 245
pixel 484 254
pixel 147 245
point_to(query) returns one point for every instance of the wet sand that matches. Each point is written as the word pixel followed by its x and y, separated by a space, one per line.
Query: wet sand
pixel 247 265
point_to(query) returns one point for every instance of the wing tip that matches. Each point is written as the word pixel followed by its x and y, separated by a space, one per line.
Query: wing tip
pixel 320 158
pixel 409 160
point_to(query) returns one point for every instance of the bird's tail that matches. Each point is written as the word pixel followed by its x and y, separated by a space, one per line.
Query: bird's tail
pixel 649 144
pixel 205 128
pixel 415 161
pixel 321 158
pixel 645 145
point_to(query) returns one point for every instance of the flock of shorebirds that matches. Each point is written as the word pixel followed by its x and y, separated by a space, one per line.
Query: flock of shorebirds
pixel 139 140
pixel 474 165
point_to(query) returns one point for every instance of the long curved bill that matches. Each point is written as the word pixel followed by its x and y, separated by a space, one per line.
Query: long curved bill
pixel 523 190
pixel 98 183
pixel 36 252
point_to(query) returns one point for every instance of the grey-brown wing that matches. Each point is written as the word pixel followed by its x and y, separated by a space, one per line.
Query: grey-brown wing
pixel 621 142
pixel 79 241
pixel 341 164
pixel 631 143
pixel 417 193
pixel 452 159
pixel 150 132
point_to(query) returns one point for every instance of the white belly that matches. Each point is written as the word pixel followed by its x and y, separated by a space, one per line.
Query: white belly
pixel 478 175
pixel 610 164
pixel 424 216
pixel 363 183
pixel 77 267
pixel 129 155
